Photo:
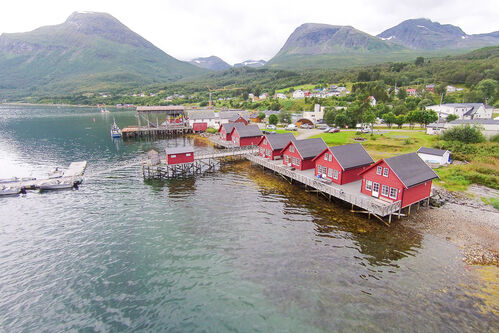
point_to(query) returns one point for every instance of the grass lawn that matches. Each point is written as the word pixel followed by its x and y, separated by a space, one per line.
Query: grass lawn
pixel 302 87
pixel 280 131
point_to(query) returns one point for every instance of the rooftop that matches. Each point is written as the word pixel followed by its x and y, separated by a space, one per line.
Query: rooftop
pixel 179 150
pixel 310 148
pixel 247 131
pixel 279 141
pixel 351 156
pixel 432 151
pixel 410 169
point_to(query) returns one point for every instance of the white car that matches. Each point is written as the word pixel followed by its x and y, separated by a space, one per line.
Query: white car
pixel 271 127
pixel 291 127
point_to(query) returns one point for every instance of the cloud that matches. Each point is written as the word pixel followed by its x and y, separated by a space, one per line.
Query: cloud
pixel 236 31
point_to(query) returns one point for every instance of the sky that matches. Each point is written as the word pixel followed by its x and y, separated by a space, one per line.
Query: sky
pixel 241 30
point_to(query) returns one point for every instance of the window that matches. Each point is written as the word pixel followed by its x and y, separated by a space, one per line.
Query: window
pixel 330 157
pixel 384 190
pixel 173 156
pixel 335 174
pixel 188 154
pixel 325 157
pixel 330 173
pixel 385 172
pixel 291 149
pixel 375 187
pixel 262 150
pixel 379 170
pixel 393 193
pixel 369 185
pixel 296 161
pixel 268 152
pixel 286 158
pixel 265 141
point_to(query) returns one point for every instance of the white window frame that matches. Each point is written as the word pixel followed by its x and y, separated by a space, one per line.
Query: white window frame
pixel 385 172
pixel 379 170
pixel 369 185
pixel 173 156
pixel 375 185
pixel 286 159
pixel 330 172
pixel 291 149
pixel 330 157
pixel 336 174
pixel 265 141
pixel 188 154
pixel 325 157
pixel 383 192
pixel 396 193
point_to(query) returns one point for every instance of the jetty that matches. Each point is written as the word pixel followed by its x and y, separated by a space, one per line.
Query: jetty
pixel 160 121
pixel 73 174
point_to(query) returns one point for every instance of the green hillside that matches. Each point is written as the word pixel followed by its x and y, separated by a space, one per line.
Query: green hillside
pixel 88 52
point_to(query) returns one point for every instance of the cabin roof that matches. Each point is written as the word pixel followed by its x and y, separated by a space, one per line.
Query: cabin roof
pixel 351 156
pixel 179 150
pixel 247 131
pixel 410 169
pixel 309 148
pixel 432 151
pixel 279 141
pixel 227 127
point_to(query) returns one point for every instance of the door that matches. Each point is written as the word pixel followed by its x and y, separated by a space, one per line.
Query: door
pixel 375 192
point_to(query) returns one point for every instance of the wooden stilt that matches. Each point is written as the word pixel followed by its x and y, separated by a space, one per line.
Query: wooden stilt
pixel 409 211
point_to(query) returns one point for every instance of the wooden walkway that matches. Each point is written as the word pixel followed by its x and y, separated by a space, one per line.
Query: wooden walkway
pixel 349 193
pixel 217 142
pixel 166 130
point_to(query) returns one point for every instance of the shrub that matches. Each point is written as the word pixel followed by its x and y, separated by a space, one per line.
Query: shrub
pixel 407 141
pixel 495 138
pixel 211 130
pixel 464 134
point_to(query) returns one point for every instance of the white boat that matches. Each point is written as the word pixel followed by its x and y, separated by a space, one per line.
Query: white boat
pixel 104 110
pixel 115 130
pixel 5 190
pixel 57 185
pixel 16 180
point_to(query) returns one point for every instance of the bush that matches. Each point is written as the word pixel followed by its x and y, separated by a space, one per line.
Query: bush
pixel 464 134
pixel 211 130
pixel 495 138
pixel 407 141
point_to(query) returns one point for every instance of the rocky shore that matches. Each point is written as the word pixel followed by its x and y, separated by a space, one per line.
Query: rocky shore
pixel 464 221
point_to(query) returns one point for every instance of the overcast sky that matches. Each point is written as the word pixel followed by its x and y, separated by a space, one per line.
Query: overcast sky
pixel 241 30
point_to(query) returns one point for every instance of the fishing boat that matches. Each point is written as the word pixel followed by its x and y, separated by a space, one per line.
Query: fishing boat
pixel 10 191
pixel 57 185
pixel 115 130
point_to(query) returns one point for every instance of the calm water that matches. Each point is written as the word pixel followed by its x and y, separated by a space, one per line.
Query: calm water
pixel 234 251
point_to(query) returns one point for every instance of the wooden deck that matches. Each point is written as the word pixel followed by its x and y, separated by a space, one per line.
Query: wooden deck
pixel 166 130
pixel 217 142
pixel 349 192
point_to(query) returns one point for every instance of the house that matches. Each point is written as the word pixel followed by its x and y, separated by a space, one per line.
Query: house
pixel 450 89
pixel 237 118
pixel 281 96
pixel 225 131
pixel 342 164
pixel 436 128
pixel 463 110
pixel 430 88
pixel 179 155
pixel 297 94
pixel 316 115
pixel 254 118
pixel 300 154
pixel 245 135
pixel 263 96
pixel 406 178
pixel 198 127
pixel 411 92
pixel 434 156
pixel 271 145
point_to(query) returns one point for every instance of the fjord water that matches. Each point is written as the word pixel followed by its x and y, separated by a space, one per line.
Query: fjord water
pixel 238 250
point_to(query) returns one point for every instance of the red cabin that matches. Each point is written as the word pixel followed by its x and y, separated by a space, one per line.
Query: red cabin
pixel 179 155
pixel 225 131
pixel 271 145
pixel 246 135
pixel 237 118
pixel 342 164
pixel 404 177
pixel 300 154
pixel 199 127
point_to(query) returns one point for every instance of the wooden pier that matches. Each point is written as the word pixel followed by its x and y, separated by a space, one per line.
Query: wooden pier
pixel 219 143
pixel 349 193
pixel 160 131
pixel 203 163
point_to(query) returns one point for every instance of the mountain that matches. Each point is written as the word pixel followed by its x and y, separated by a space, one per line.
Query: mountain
pixel 213 63
pixel 424 34
pixel 313 44
pixel 88 52
pixel 251 63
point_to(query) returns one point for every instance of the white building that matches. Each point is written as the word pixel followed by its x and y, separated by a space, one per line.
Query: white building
pixel 316 115
pixel 451 89
pixel 434 156
pixel 465 111
pixel 488 127
pixel 297 94
pixel 281 96
pixel 263 96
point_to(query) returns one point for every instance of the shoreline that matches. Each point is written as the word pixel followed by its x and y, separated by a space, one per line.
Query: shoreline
pixel 465 222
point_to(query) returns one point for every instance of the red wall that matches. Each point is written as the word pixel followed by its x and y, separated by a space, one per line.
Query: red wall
pixel 180 158
pixel 344 177
pixel 352 175
pixel 243 142
pixel 408 196
pixel 223 135
pixel 240 120
pixel 304 164
pixel 273 153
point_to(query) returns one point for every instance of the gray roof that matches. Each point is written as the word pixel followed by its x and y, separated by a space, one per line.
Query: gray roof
pixel 229 114
pixel 410 169
pixel 474 121
pixel 310 148
pixel 432 151
pixel 228 127
pixel 201 114
pixel 247 131
pixel 351 156
pixel 279 141
pixel 179 150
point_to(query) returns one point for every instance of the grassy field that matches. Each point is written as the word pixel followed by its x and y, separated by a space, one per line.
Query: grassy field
pixel 280 131
pixel 482 166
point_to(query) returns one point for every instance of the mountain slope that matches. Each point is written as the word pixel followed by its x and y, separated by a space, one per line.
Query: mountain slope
pixel 424 34
pixel 212 63
pixel 320 44
pixel 89 51
pixel 251 63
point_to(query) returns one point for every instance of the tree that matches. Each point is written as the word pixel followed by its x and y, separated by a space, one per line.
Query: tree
pixel 402 94
pixel 428 117
pixel 465 134
pixel 364 76
pixel 329 117
pixel 369 117
pixel 399 120
pixel 451 117
pixel 419 61
pixel 389 118
pixel 261 115
pixel 413 117
pixel 487 88
pixel 273 119
pixel 341 119
pixel 400 109
pixel 284 117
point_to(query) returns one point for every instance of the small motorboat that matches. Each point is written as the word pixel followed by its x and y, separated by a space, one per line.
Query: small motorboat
pixel 115 130
pixel 10 191
pixel 104 110
pixel 16 180
pixel 57 184
pixel 56 173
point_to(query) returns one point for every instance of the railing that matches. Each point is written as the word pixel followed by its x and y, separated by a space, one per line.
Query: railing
pixel 382 209
pixel 236 151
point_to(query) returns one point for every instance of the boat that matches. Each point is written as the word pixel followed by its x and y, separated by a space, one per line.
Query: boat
pixel 56 173
pixel 57 185
pixel 104 110
pixel 16 180
pixel 115 130
pixel 10 191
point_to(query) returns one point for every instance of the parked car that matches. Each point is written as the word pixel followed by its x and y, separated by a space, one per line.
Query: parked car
pixel 327 129
pixel 322 126
pixel 291 127
pixel 306 126
pixel 366 130
pixel 271 127
pixel 334 130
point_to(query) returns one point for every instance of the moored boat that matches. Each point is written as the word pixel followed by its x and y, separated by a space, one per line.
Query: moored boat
pixel 115 130
pixel 10 191
pixel 57 185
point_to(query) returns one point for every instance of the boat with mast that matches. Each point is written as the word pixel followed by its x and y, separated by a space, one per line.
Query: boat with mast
pixel 115 130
